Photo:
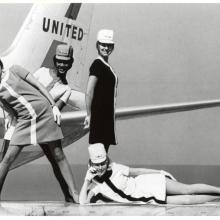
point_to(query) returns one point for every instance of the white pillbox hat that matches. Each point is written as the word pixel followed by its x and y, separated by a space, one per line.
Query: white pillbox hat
pixel 105 36
pixel 64 52
pixel 97 153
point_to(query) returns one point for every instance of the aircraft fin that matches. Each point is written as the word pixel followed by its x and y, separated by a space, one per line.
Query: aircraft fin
pixel 46 26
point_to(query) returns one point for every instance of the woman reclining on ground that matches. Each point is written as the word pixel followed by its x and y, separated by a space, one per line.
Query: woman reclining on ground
pixel 114 182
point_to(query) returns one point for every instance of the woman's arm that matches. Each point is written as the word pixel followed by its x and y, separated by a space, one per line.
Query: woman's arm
pixel 83 196
pixel 64 98
pixel 9 116
pixel 32 80
pixel 89 97
pixel 10 120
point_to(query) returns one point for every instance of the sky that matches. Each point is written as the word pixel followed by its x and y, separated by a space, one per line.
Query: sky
pixel 164 53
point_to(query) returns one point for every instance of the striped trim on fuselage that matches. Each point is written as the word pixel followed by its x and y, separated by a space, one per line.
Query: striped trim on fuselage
pixel 27 105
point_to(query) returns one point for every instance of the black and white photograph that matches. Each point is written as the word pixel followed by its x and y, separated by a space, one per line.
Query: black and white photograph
pixel 109 109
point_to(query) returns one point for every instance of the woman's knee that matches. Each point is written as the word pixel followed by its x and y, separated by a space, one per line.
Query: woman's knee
pixel 56 150
pixel 185 190
pixel 187 200
pixel 176 188
pixel 190 189
pixel 193 199
pixel 59 154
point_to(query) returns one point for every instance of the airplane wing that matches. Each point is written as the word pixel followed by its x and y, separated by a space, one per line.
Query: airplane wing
pixel 73 128
pixel 141 111
pixel 50 25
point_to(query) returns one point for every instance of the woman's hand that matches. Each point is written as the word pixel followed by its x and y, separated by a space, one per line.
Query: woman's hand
pixel 56 114
pixel 85 196
pixel 9 120
pixel 87 122
pixel 7 123
pixel 91 173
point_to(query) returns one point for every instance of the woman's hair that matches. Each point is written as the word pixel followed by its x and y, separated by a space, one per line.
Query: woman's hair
pixel 1 64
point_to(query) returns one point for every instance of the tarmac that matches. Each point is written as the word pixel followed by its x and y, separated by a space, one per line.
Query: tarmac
pixel 49 208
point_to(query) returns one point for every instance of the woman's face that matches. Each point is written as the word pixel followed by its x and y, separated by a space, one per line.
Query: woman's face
pixel 105 49
pixel 100 167
pixel 62 66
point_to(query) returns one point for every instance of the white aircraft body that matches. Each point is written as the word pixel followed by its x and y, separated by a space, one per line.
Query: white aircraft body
pixel 48 25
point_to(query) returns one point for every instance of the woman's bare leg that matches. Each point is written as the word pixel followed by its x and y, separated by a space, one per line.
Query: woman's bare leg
pixel 57 173
pixel 190 199
pixel 177 188
pixel 10 156
pixel 5 145
pixel 64 166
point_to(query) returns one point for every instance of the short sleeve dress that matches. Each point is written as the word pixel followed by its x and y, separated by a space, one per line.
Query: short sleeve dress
pixel 35 122
pixel 117 186
pixel 102 122
pixel 54 85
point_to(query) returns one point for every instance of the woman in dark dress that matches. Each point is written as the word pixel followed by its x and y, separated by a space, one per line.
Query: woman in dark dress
pixel 101 94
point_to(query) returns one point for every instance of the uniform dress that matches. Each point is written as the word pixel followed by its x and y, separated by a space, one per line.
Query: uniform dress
pixel 54 86
pixel 35 120
pixel 117 186
pixel 49 79
pixel 102 122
